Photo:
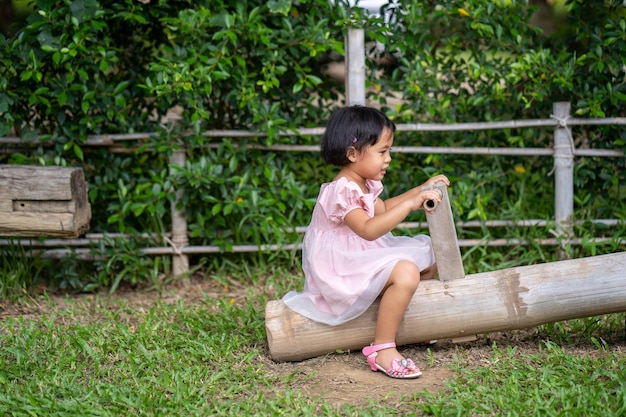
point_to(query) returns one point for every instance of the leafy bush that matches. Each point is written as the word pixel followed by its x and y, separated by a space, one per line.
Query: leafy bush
pixel 171 71
pixel 20 271
pixel 467 61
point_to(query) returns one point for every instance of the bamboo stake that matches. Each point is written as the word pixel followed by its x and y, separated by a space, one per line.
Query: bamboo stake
pixel 180 261
pixel 563 172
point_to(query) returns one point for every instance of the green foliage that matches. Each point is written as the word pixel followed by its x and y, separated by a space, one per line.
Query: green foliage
pixel 76 69
pixel 120 260
pixel 454 61
pixel 20 270
pixel 133 192
pixel 245 195
pixel 480 61
pixel 70 273
pixel 85 68
pixel 246 64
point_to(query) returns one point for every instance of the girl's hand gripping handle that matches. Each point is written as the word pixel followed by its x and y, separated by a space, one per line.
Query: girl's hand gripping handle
pixel 431 205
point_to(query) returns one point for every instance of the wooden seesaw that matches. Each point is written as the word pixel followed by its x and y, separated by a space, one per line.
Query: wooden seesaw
pixel 456 306
pixel 43 201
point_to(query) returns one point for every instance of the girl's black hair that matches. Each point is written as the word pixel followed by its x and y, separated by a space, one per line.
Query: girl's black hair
pixel 357 126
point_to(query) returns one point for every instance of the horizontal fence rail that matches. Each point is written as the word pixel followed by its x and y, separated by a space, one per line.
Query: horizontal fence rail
pixel 180 249
pixel 109 140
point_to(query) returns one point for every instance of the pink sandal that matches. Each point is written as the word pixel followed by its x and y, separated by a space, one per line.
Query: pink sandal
pixel 400 368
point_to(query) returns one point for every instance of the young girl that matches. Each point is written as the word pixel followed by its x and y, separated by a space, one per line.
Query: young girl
pixel 349 255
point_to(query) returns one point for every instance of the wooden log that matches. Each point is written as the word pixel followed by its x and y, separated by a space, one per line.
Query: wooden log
pixel 509 299
pixel 43 201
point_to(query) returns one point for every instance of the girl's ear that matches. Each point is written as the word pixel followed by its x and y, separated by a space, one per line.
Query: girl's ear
pixel 352 153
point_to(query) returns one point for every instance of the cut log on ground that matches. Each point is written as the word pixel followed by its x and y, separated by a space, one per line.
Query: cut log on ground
pixel 43 201
pixel 509 299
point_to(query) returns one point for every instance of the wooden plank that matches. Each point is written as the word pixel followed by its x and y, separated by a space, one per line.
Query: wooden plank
pixel 23 182
pixel 514 298
pixel 43 201
pixel 35 224
pixel 442 230
pixel 33 206
pixel 444 239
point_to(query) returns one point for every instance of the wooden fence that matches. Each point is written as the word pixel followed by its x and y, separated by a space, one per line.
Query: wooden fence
pixel 563 152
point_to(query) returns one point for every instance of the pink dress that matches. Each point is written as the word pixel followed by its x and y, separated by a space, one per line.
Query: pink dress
pixel 345 273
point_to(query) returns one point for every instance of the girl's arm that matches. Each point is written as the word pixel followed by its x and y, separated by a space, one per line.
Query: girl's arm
pixel 386 218
pixel 414 191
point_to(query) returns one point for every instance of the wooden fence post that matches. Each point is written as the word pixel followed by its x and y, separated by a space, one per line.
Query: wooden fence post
pixel 563 173
pixel 355 66
pixel 180 261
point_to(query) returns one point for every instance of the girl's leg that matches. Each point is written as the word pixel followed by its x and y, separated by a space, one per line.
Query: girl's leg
pixel 401 286
pixel 428 273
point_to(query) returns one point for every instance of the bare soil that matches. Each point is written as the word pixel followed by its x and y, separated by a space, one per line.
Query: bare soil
pixel 340 378
pixel 345 378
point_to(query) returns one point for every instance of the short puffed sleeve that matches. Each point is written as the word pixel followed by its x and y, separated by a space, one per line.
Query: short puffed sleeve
pixel 340 197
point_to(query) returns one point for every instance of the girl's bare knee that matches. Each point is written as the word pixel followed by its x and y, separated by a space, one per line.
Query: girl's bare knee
pixel 405 274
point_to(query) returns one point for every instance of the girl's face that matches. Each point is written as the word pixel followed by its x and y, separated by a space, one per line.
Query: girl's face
pixel 372 162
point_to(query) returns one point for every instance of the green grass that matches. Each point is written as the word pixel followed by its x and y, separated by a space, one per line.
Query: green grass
pixel 169 360
pixel 98 357
pixel 549 383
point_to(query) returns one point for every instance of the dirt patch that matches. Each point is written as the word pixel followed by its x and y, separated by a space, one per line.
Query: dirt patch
pixel 345 378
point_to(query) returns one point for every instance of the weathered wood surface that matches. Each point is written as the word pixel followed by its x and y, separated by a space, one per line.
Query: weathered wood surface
pixel 444 239
pixel 43 201
pixel 513 298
